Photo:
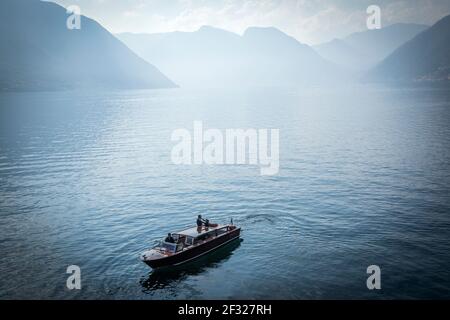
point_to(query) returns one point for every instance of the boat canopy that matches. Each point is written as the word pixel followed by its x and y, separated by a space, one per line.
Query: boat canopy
pixel 198 231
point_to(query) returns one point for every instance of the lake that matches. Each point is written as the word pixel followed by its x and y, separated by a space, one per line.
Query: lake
pixel 86 179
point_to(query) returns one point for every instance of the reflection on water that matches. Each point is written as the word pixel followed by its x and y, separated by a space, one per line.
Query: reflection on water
pixel 169 278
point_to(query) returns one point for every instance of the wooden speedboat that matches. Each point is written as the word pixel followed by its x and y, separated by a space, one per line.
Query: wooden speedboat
pixel 189 244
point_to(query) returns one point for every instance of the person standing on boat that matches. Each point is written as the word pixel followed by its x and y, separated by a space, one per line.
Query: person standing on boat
pixel 200 221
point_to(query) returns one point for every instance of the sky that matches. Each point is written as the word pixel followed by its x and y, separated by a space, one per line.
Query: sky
pixel 309 21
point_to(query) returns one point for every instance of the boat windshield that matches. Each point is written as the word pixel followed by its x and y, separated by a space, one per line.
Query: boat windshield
pixel 170 247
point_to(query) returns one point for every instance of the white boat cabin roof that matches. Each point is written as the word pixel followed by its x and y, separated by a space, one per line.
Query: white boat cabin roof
pixel 197 231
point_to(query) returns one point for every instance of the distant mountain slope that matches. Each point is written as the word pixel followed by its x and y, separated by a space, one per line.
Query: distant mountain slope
pixel 363 50
pixel 342 54
pixel 212 56
pixel 39 52
pixel 425 57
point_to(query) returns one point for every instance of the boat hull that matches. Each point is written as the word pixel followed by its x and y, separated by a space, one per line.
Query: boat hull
pixel 194 252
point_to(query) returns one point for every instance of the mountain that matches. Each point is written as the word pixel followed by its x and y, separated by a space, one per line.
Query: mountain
pixel 39 52
pixel 425 57
pixel 362 50
pixel 211 56
pixel 341 53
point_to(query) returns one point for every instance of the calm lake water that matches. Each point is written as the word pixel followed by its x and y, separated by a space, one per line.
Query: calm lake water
pixel 86 179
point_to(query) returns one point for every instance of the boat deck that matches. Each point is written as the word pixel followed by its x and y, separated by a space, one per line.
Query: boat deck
pixel 197 231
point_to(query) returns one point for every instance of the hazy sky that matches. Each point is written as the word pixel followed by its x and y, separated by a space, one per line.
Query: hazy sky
pixel 310 21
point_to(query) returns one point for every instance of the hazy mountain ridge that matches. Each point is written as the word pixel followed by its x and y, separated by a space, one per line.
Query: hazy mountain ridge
pixel 341 53
pixel 40 53
pixel 426 57
pixel 363 50
pixel 261 56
